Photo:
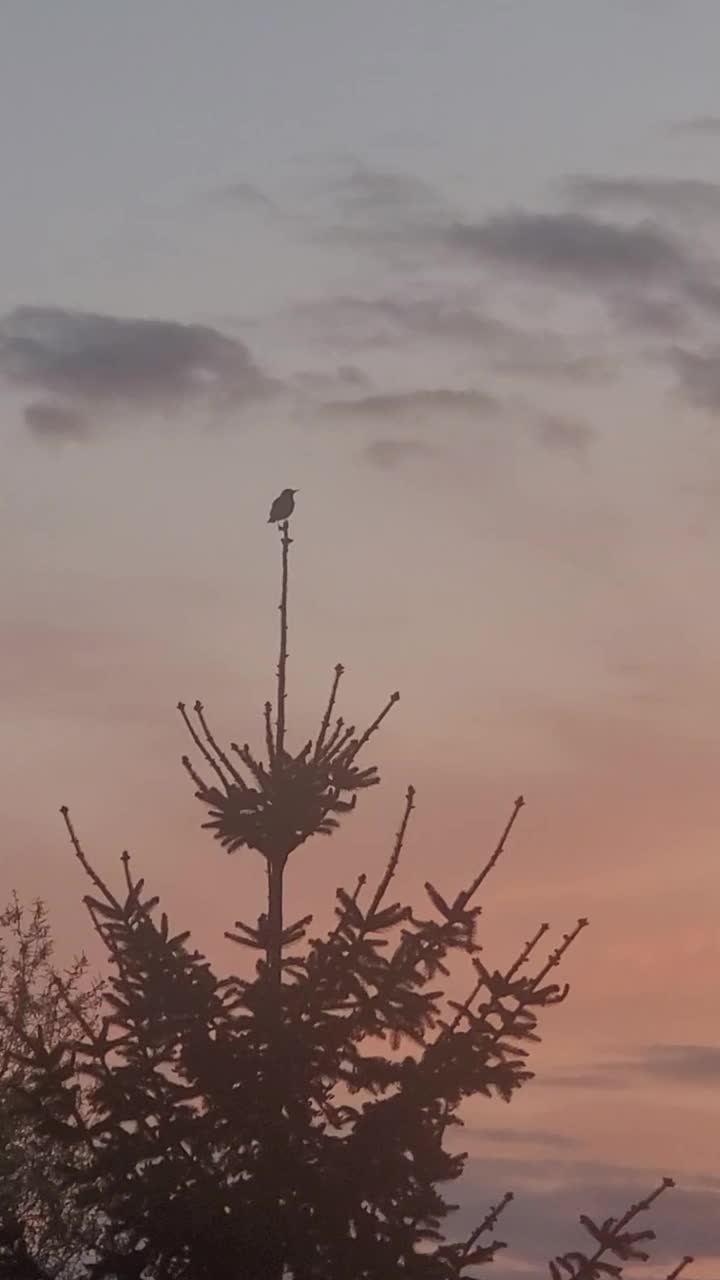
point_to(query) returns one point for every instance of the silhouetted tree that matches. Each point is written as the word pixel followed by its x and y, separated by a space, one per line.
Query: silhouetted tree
pixel 292 1122
pixel 30 1190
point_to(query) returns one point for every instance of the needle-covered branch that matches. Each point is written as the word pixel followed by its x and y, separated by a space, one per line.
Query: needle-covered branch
pixel 293 1122
pixel 610 1237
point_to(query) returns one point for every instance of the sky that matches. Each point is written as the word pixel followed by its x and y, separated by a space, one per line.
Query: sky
pixel 451 269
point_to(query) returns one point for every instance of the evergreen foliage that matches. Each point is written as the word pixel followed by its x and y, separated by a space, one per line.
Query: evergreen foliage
pixel 291 1123
pixel 31 1012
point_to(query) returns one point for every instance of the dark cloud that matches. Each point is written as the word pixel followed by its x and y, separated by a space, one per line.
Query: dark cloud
pixel 395 216
pixel 89 360
pixel 703 289
pixel 380 322
pixel 572 245
pixel 523 1137
pixel 375 191
pixel 389 454
pixel 697 124
pixel 647 278
pixel 673 1063
pixel 436 319
pixel 244 193
pixel 678 196
pixel 565 435
pixel 659 316
pixel 417 405
pixel 550 356
pixel 346 376
pixel 55 421
pixel 625 265
pixel 352 375
pixel 698 374
pixel 611 1075
pixel 550 1195
pixel 684 1063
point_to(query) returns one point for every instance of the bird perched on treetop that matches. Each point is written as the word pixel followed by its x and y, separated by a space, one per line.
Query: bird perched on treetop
pixel 283 506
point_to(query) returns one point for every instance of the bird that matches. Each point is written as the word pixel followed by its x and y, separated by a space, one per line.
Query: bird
pixel 283 506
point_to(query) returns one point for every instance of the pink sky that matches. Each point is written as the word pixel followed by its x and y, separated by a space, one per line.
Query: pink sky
pixel 479 334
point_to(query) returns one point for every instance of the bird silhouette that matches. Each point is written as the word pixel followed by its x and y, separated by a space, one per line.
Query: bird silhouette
pixel 283 506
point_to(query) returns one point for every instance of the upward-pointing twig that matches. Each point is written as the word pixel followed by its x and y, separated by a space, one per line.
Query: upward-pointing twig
pixel 339 670
pixel 395 855
pixel 469 893
pixel 282 661
pixel 82 859
pixel 681 1267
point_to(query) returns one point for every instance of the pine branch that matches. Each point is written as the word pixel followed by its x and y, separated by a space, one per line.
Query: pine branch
pixel 611 1237
pixel 680 1267
pixel 282 660
pixel 268 1124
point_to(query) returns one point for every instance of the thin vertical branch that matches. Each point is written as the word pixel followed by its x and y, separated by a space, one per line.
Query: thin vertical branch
pixel 275 1267
pixel 464 898
pixel 681 1267
pixel 339 671
pixel 282 662
pixel 556 956
pixel 589 1267
pixel 395 856
pixel 275 869
pixel 527 951
pixel 488 1222
pixel 82 859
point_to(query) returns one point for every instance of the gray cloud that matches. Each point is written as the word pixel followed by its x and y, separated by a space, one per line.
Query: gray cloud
pixel 85 359
pixel 345 377
pixel 380 322
pixel 434 318
pixel 698 374
pixel 375 191
pixel 654 284
pixel 542 1220
pixel 389 454
pixel 650 281
pixel 611 1075
pixel 693 1063
pixel 703 289
pixel 244 194
pixel 550 356
pixel 678 196
pixel 565 435
pixel 625 265
pixel 523 1137
pixel 572 245
pixel 55 421
pixel 417 405
pixel 697 124
pixel 396 216
pixel 672 1063
pixel 660 316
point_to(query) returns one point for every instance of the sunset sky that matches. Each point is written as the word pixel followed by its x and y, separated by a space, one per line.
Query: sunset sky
pixel 451 268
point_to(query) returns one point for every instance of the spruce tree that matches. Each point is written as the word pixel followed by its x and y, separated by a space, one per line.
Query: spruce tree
pixel 290 1123
pixel 31 1192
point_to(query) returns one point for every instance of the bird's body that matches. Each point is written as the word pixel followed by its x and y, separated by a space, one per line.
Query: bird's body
pixel 283 506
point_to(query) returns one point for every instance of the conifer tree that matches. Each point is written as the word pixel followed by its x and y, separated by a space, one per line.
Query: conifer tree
pixel 30 1189
pixel 290 1123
